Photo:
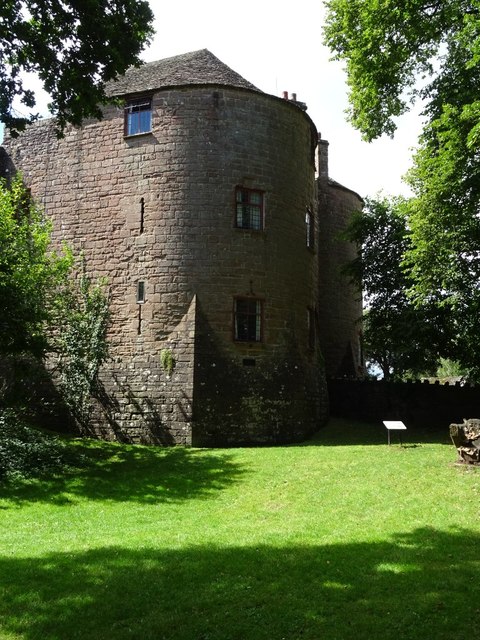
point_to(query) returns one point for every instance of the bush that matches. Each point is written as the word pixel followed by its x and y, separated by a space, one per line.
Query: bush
pixel 27 452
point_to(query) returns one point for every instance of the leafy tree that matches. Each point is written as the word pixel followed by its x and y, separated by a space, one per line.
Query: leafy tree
pixel 74 46
pixel 449 369
pixel 388 46
pixel 43 307
pixel 445 215
pixel 29 272
pixel 80 340
pixel 399 336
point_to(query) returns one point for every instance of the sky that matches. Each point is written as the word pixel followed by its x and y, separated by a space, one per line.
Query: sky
pixel 277 45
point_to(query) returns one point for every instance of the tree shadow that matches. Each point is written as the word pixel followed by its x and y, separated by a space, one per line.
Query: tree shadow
pixel 130 473
pixel 419 584
pixel 346 432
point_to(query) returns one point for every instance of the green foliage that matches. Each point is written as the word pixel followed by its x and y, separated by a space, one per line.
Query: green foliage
pixel 44 309
pixel 26 452
pixel 379 230
pixel 444 216
pixel 29 273
pixel 80 340
pixel 386 46
pixel 398 335
pixel 74 47
pixel 450 369
pixel 168 361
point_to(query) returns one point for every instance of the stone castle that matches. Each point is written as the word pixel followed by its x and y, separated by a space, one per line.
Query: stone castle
pixel 207 206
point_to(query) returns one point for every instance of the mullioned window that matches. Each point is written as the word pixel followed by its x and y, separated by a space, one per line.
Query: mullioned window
pixel 249 213
pixel 248 319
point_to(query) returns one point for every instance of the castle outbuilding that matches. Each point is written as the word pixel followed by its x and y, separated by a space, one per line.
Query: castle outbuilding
pixel 205 205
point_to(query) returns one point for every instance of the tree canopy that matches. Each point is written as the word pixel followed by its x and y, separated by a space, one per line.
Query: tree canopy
pixel 389 45
pixel 74 46
pixel 29 272
pixel 398 51
pixel 44 308
pixel 400 337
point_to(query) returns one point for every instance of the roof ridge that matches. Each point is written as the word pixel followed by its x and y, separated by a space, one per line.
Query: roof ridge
pixel 200 67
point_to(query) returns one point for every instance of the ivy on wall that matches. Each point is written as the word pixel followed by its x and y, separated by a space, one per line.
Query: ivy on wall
pixel 168 361
pixel 81 344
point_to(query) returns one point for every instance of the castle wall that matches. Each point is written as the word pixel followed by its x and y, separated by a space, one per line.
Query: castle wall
pixel 159 208
pixel 340 303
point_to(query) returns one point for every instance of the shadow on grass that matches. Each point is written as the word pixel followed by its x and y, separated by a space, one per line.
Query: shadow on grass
pixel 344 432
pixel 419 585
pixel 112 472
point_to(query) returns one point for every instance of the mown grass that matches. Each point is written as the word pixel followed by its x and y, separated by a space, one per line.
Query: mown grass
pixel 339 538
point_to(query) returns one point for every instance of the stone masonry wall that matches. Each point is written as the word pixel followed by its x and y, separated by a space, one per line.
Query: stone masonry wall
pixel 159 208
pixel 340 303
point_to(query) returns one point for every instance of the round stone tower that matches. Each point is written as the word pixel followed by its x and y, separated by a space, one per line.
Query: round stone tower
pixel 197 200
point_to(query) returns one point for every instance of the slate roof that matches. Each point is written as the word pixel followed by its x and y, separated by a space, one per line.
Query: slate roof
pixel 337 185
pixel 194 68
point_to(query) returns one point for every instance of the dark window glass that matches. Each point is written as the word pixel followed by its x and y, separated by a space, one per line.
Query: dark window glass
pixel 248 319
pixel 249 209
pixel 140 292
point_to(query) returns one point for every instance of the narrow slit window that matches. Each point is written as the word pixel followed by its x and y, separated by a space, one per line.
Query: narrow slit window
pixel 140 292
pixel 139 320
pixel 138 117
pixel 311 327
pixel 309 229
pixel 248 319
pixel 142 214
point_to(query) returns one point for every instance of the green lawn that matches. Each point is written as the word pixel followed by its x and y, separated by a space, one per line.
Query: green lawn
pixel 339 538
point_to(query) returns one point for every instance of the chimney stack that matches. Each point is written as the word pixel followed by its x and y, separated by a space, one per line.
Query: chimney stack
pixel 322 153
